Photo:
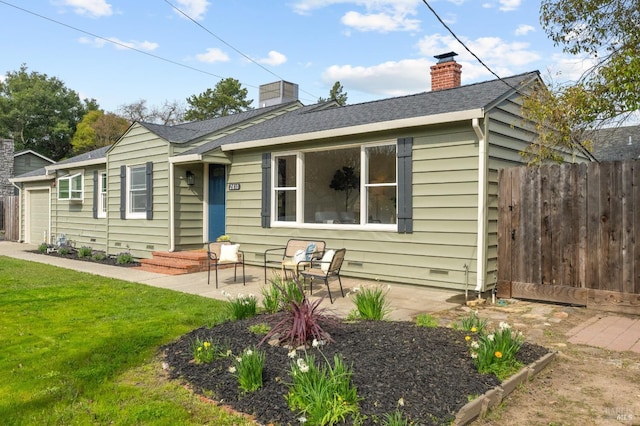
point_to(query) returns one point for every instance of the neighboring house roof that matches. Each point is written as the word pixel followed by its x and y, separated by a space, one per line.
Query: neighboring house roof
pixel 617 143
pixel 186 132
pixel 310 119
pixel 29 151
pixel 34 175
pixel 97 156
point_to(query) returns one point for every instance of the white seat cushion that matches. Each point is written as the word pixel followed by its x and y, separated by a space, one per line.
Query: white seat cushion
pixel 326 260
pixel 229 252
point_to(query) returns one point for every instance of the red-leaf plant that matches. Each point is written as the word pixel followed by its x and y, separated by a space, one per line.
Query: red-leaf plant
pixel 300 324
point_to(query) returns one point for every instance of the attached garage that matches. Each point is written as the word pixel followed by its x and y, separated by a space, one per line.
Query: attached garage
pixel 37 219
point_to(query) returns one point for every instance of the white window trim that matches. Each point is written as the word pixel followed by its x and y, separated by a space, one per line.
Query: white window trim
pixel 130 214
pixel 299 222
pixel 69 178
pixel 102 189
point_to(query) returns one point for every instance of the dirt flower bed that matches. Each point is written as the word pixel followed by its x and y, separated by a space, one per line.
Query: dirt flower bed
pixel 427 374
pixel 73 254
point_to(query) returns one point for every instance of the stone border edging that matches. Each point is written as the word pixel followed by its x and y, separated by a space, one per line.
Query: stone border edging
pixel 479 407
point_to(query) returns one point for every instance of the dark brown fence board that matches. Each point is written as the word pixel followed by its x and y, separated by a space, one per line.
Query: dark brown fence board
pixel 11 218
pixel 563 229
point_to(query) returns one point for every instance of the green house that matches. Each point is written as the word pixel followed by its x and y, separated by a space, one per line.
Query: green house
pixel 408 184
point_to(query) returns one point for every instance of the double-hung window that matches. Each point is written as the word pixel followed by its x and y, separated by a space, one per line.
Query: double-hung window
pixel 102 194
pixel 70 187
pixel 136 192
pixel 352 186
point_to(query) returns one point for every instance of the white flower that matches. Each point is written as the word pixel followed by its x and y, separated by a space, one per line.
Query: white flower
pixel 475 345
pixel 356 289
pixel 232 369
pixel 239 358
pixel 315 343
pixel 302 365
pixel 490 337
pixel 504 326
pixel 249 352
pixel 292 353
pixel 474 355
pixel 401 402
pixel 302 419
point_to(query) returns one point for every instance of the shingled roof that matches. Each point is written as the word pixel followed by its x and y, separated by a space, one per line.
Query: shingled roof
pixel 187 132
pixel 617 143
pixel 311 119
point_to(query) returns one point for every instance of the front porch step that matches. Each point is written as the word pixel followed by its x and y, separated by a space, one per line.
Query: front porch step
pixel 175 263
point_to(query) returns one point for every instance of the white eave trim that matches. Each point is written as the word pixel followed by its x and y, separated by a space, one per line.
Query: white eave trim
pixel 32 178
pixel 426 120
pixel 77 164
pixel 29 151
pixel 185 158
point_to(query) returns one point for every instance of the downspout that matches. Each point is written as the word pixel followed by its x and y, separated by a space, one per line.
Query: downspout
pixel 482 206
pixel 172 236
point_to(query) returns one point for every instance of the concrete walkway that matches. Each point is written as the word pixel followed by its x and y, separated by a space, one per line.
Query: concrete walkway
pixel 406 301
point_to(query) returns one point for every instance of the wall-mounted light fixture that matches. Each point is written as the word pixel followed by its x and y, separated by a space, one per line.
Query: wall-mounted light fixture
pixel 191 178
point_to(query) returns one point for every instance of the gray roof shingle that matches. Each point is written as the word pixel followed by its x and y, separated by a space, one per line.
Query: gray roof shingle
pixel 617 143
pixel 91 155
pixel 311 119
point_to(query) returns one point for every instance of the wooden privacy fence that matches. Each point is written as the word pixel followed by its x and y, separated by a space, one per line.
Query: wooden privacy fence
pixel 9 217
pixel 570 233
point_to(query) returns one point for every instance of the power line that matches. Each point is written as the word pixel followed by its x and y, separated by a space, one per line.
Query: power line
pixel 116 42
pixel 183 13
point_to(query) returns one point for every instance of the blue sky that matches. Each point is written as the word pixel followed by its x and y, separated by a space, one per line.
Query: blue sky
pixel 375 48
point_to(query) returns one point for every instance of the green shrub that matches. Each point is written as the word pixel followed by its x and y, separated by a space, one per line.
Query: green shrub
pixel 64 250
pixel 242 307
pixel 496 352
pixel 395 419
pixel 473 323
pixel 124 258
pixel 99 256
pixel 371 303
pixel 205 351
pixel 42 248
pixel 85 251
pixel 323 395
pixel 260 329
pixel 426 320
pixel 271 297
pixel 248 369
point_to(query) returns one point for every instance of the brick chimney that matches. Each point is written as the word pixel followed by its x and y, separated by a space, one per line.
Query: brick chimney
pixel 446 73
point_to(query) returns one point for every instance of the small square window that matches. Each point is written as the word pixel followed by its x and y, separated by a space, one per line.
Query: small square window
pixel 70 187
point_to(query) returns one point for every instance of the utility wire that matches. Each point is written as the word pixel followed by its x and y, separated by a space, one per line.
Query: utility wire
pixel 183 13
pixel 116 42
pixel 467 48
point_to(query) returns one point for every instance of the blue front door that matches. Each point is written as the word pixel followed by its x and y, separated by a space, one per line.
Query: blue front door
pixel 216 201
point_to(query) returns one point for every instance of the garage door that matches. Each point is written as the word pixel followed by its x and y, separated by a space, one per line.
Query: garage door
pixel 37 216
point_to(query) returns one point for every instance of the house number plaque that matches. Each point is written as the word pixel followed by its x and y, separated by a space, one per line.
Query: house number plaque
pixel 234 187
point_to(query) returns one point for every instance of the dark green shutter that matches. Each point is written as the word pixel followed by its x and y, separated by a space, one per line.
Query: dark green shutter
pixel 266 190
pixel 123 192
pixel 96 193
pixel 405 184
pixel 149 182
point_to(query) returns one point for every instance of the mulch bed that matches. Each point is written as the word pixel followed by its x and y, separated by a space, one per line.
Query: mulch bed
pixel 428 369
pixel 109 260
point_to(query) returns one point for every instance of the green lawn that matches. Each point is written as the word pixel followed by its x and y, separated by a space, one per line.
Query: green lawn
pixel 81 349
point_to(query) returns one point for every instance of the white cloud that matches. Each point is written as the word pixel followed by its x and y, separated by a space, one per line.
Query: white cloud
pixel 196 9
pixel 509 5
pixel 374 15
pixel 501 56
pixel 146 46
pixel 524 30
pixel 379 22
pixel 212 55
pixel 393 78
pixel 93 8
pixel 274 58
